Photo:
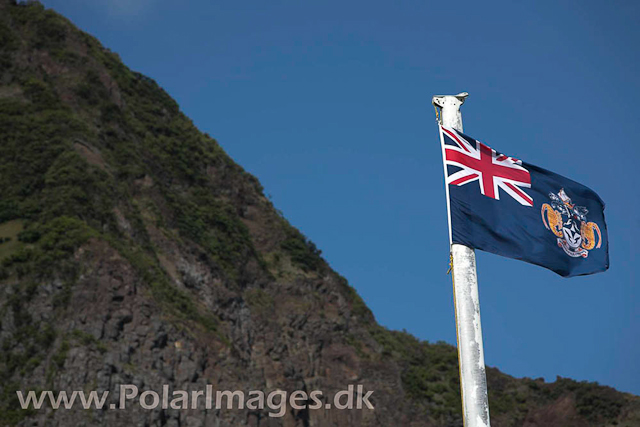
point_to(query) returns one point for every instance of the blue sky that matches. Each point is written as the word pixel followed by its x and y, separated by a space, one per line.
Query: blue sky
pixel 328 103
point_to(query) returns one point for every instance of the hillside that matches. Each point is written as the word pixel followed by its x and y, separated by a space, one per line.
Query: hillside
pixel 135 251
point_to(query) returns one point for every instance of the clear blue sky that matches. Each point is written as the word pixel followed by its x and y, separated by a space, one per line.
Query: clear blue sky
pixel 328 104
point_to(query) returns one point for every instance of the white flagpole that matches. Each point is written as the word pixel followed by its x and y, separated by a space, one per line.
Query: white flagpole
pixel 473 379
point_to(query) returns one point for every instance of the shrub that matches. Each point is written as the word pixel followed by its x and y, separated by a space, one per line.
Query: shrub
pixel 302 251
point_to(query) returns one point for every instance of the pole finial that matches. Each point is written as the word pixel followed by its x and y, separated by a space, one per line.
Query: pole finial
pixel 439 100
pixel 450 105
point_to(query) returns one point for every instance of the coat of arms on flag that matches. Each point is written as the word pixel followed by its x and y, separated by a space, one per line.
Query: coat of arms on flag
pixel 575 234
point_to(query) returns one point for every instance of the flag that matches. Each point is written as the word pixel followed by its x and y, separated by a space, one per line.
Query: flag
pixel 505 206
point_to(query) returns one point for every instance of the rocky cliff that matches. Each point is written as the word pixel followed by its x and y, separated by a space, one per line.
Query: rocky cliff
pixel 135 251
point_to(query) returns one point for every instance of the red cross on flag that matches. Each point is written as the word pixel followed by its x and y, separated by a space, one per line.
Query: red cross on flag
pixel 492 170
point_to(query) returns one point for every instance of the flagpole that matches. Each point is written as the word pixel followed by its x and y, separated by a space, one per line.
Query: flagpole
pixel 473 379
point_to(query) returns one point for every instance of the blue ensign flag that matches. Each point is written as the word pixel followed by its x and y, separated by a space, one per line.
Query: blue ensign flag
pixel 503 205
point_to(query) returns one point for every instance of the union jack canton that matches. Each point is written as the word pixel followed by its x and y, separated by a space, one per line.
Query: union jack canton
pixel 474 161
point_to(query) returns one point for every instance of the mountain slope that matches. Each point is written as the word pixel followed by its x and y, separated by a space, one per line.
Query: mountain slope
pixel 135 251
